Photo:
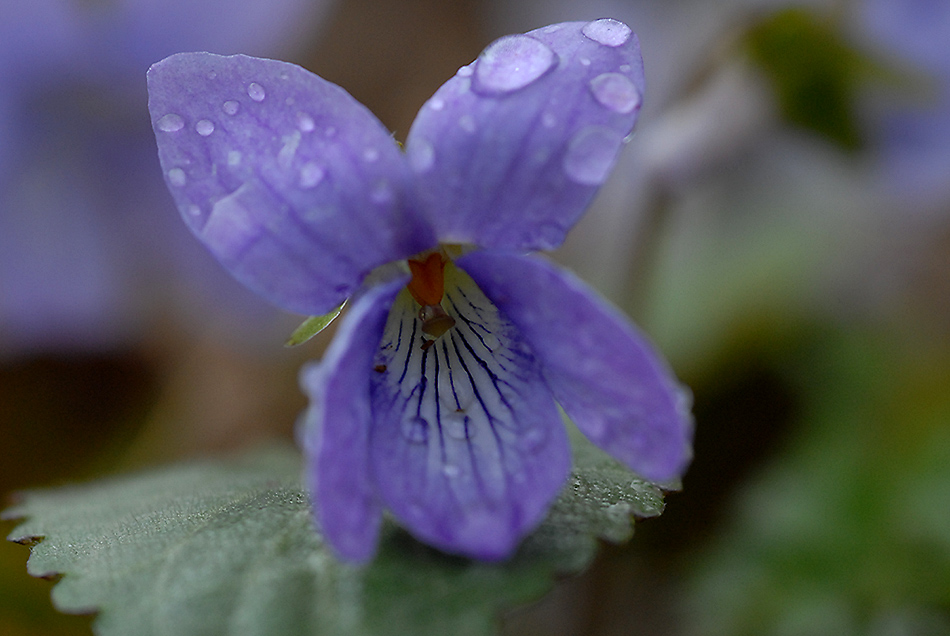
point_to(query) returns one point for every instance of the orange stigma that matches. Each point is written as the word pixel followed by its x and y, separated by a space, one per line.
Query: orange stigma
pixel 428 283
pixel 427 288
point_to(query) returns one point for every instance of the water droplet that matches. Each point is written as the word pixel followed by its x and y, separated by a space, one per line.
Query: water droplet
pixel 194 210
pixel 467 123
pixel 234 157
pixel 436 103
pixel 231 107
pixel 381 192
pixel 533 439
pixel 550 236
pixel 421 155
pixel 456 425
pixel 204 127
pixel 607 31
pixel 171 123
pixel 492 342
pixel 177 177
pixel 552 28
pixel 590 155
pixel 310 175
pixel 212 75
pixel 624 68
pixel 256 92
pixel 370 155
pixel 616 92
pixel 585 61
pixel 415 430
pixel 511 63
pixel 466 71
pixel 450 471
pixel 305 122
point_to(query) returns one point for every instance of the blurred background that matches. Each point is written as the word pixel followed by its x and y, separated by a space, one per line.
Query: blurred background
pixel 779 225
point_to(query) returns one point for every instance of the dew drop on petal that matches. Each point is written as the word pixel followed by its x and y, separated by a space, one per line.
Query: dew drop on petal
pixel 549 236
pixel 607 31
pixel 256 92
pixel 415 430
pixel 450 471
pixel 234 157
pixel 381 192
pixel 455 424
pixel 305 122
pixel 194 210
pixel 590 155
pixel 311 174
pixel 176 177
pixel 204 127
pixel 616 92
pixel 532 439
pixel 512 63
pixel 370 155
pixel 436 103
pixel 231 107
pixel 466 71
pixel 548 120
pixel 171 123
pixel 585 61
pixel 467 123
pixel 421 156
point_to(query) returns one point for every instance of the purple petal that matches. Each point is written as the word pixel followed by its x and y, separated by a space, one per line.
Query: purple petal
pixel 468 447
pixel 511 150
pixel 603 372
pixel 293 185
pixel 336 428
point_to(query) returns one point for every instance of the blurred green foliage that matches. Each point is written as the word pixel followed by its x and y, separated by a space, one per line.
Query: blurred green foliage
pixel 848 532
pixel 814 71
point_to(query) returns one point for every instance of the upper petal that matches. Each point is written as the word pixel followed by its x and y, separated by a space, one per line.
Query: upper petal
pixel 468 448
pixel 295 187
pixel 605 374
pixel 336 427
pixel 510 151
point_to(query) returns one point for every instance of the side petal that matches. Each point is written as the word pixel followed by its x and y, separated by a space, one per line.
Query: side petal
pixel 468 448
pixel 293 185
pixel 511 150
pixel 335 428
pixel 603 372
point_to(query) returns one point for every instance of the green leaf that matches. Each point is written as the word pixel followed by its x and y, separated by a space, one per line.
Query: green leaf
pixel 229 547
pixel 312 326
pixel 815 72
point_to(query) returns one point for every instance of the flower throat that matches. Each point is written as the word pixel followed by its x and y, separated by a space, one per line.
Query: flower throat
pixel 427 287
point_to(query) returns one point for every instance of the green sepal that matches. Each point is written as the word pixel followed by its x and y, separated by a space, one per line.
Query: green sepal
pixel 312 326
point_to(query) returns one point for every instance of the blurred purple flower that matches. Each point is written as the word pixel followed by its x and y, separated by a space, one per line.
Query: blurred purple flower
pixel 85 251
pixel 916 141
pixel 438 397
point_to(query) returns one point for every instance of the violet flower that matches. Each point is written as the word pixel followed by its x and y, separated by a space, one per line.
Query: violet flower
pixel 438 398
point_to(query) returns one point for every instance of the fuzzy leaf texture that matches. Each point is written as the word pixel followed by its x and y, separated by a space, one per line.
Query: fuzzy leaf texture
pixel 229 547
